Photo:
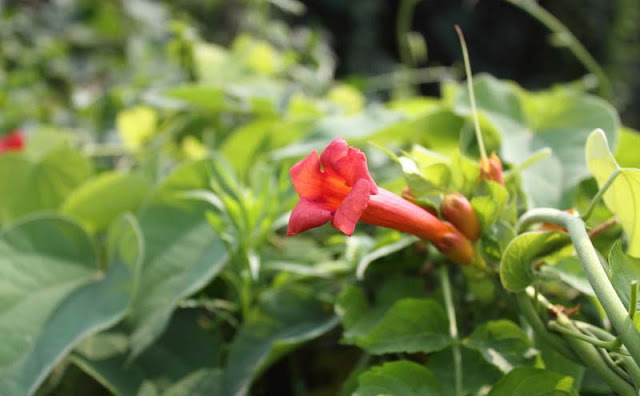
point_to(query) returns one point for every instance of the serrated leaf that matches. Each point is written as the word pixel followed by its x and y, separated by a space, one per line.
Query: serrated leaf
pixel 284 319
pixel 100 200
pixel 398 378
pixel 623 194
pixel 503 344
pixel 516 266
pixel 87 309
pixel 526 381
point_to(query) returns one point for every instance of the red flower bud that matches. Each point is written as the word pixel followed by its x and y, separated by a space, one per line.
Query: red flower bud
pixel 13 141
pixel 338 187
pixel 491 169
pixel 457 209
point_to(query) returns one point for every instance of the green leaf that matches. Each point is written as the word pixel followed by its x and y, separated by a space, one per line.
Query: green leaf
pixel 185 355
pixel 136 126
pixel 624 270
pixel 503 344
pixel 245 145
pixel 284 319
pixel 570 270
pixel 526 381
pixel 210 98
pixel 398 378
pixel 198 383
pixel 100 200
pixel 627 154
pixel 410 325
pixel 559 118
pixel 55 325
pixel 170 271
pixel 516 266
pixel 490 208
pixel 477 374
pixel 623 194
pixel 40 184
pixel 407 325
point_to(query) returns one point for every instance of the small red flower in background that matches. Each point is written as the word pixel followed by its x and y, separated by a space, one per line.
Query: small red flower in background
pixel 337 186
pixel 13 141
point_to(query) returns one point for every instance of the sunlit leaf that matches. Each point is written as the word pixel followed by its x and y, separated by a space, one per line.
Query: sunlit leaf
pixel 623 195
pixel 100 200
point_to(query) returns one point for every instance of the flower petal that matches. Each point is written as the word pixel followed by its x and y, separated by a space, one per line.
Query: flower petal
pixel 306 215
pixel 351 208
pixel 334 152
pixel 353 167
pixel 307 177
pixel 347 162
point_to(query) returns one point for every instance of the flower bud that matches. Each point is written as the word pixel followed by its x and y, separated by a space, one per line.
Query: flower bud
pixel 455 246
pixel 458 210
pixel 491 169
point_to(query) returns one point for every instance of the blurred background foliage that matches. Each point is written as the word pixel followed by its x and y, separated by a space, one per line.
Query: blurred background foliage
pixel 113 96
pixel 79 61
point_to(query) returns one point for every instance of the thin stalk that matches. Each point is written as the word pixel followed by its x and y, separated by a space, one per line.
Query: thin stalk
pixel 603 227
pixel 633 300
pixel 453 328
pixel 472 96
pixel 591 357
pixel 613 344
pixel 594 202
pixel 616 311
pixel 571 42
pixel 526 308
pixel 403 26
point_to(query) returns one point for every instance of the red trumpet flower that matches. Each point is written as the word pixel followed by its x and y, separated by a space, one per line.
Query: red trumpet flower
pixel 338 187
pixel 13 141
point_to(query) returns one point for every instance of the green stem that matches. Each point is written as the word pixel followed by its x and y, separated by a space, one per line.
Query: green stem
pixel 453 327
pixel 613 344
pixel 571 42
pixel 472 95
pixel 591 357
pixel 633 300
pixel 616 311
pixel 527 309
pixel 600 194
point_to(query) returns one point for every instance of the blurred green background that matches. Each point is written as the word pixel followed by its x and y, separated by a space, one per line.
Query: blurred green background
pixel 67 58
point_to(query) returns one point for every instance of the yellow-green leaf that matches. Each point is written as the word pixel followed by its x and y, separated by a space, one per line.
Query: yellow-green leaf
pixel 623 196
